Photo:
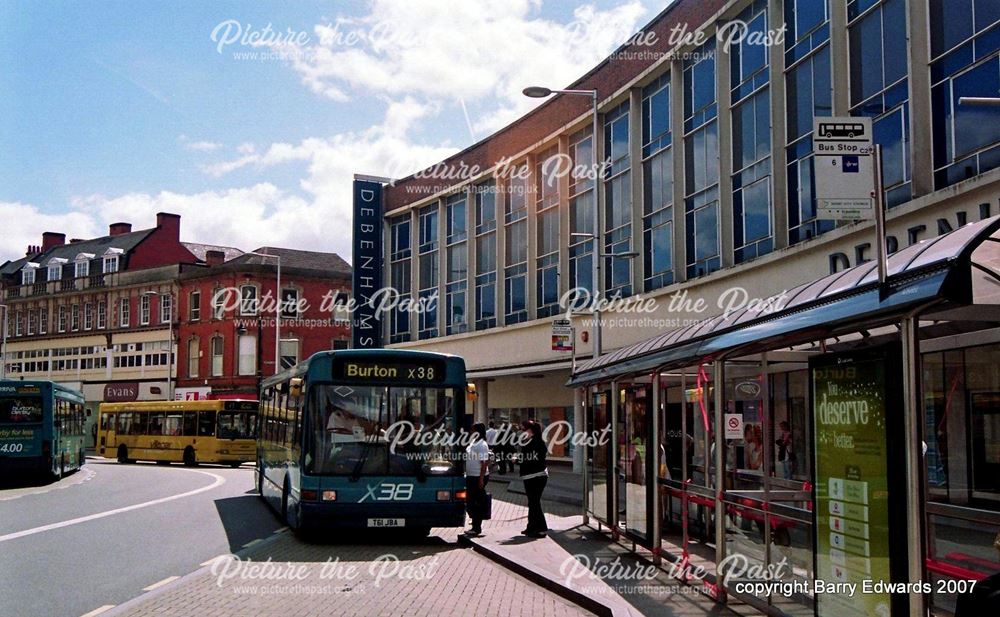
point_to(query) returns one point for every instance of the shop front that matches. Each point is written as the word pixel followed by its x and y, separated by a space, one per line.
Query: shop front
pixel 850 437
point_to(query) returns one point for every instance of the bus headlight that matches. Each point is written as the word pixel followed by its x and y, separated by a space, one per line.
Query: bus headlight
pixel 444 495
pixel 329 495
pixel 460 495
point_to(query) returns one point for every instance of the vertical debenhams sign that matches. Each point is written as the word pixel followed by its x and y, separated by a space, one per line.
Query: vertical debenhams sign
pixel 366 328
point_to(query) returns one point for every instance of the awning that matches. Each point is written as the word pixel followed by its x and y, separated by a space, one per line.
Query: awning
pixel 949 270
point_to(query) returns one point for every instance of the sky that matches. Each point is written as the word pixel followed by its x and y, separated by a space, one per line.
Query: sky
pixel 249 119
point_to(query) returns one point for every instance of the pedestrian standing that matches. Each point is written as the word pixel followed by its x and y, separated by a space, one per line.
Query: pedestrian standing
pixel 477 475
pixel 535 476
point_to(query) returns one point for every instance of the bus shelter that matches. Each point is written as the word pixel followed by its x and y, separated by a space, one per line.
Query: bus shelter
pixel 850 435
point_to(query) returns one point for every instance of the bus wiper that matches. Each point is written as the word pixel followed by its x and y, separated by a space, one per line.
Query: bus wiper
pixel 356 473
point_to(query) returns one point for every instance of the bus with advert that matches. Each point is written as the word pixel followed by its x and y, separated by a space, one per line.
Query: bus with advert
pixel 41 428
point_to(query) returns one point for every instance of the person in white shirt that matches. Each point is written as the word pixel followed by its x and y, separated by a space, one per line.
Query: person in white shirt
pixel 477 474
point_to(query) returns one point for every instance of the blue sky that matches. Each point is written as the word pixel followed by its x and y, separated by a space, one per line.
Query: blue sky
pixel 116 110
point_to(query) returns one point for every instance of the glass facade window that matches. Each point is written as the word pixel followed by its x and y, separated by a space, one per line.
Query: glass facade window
pixel 581 212
pixel 965 52
pixel 429 271
pixel 486 256
pixel 547 230
pixel 701 173
pixel 753 231
pixel 807 94
pixel 457 279
pixel 617 203
pixel 658 183
pixel 878 61
pixel 516 247
pixel 399 276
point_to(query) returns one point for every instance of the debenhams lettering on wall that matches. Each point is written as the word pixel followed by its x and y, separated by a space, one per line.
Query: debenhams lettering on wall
pixel 920 225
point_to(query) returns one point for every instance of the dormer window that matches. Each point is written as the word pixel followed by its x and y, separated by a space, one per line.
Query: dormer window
pixel 56 268
pixel 28 274
pixel 111 258
pixel 82 265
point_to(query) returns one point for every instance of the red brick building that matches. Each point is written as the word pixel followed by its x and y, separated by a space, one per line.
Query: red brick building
pixel 227 310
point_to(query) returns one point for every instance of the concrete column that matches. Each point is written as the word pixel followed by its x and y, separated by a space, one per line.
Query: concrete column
pixel 677 146
pixel 481 412
pixel 839 58
pixel 654 450
pixel 531 203
pixel 921 139
pixel 470 260
pixel 502 197
pixel 638 198
pixel 779 159
pixel 442 316
pixel 414 268
pixel 725 132
pixel 564 214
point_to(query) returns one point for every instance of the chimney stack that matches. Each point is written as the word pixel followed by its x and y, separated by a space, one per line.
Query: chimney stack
pixel 117 229
pixel 214 258
pixel 31 250
pixel 51 239
pixel 169 224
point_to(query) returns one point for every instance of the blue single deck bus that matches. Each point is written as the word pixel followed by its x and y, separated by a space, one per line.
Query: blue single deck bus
pixel 41 428
pixel 365 439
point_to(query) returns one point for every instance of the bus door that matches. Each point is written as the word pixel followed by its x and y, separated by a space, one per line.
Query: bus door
pixel 107 439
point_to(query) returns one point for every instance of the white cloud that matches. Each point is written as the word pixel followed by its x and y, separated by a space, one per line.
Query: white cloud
pixel 24 224
pixel 198 146
pixel 444 52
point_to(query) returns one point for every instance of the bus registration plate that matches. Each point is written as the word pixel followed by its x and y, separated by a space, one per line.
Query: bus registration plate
pixel 387 522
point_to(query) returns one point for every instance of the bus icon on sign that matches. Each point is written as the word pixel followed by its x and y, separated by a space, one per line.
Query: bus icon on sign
pixel 850 131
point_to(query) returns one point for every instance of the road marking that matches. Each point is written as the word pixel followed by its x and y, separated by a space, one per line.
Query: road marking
pixel 169 579
pixel 251 543
pixel 99 610
pixel 219 481
pixel 215 559
pixel 85 475
pixel 280 530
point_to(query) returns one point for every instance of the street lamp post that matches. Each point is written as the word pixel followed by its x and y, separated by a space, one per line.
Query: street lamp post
pixel 170 340
pixel 277 317
pixel 538 92
pixel 3 346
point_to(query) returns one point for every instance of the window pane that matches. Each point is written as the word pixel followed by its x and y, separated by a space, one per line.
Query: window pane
pixel 756 211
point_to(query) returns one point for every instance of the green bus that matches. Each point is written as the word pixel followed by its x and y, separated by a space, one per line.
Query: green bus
pixel 365 439
pixel 41 428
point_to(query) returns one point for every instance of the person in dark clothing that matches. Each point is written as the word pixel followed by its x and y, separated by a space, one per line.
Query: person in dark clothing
pixel 477 475
pixel 535 475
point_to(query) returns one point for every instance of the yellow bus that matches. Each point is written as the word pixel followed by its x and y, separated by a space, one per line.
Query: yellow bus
pixel 188 432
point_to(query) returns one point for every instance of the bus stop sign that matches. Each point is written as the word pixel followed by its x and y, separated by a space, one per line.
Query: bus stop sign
pixel 844 168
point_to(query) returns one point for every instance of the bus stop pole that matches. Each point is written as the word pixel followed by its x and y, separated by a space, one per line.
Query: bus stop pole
pixel 879 206
pixel 913 445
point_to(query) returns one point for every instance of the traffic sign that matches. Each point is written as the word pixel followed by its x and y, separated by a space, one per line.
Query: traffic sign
pixel 844 168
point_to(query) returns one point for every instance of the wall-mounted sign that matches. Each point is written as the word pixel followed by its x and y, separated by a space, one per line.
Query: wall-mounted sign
pixel 850 396
pixel 124 392
pixel 844 168
pixel 562 335
pixel 734 425
pixel 366 263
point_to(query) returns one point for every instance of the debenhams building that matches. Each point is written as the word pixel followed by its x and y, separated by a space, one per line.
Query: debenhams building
pixel 842 402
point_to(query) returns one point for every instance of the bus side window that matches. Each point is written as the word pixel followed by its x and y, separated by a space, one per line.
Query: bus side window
pixel 206 423
pixel 140 421
pixel 156 423
pixel 190 423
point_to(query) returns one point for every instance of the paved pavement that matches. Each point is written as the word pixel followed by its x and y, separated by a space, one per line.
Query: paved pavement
pixel 575 561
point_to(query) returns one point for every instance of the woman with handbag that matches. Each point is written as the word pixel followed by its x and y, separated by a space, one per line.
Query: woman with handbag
pixel 477 474
pixel 535 476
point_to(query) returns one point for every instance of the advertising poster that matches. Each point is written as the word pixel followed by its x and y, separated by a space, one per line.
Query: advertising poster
pixel 852 487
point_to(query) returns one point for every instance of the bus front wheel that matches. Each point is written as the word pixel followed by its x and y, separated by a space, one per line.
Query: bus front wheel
pixel 122 454
pixel 189 458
